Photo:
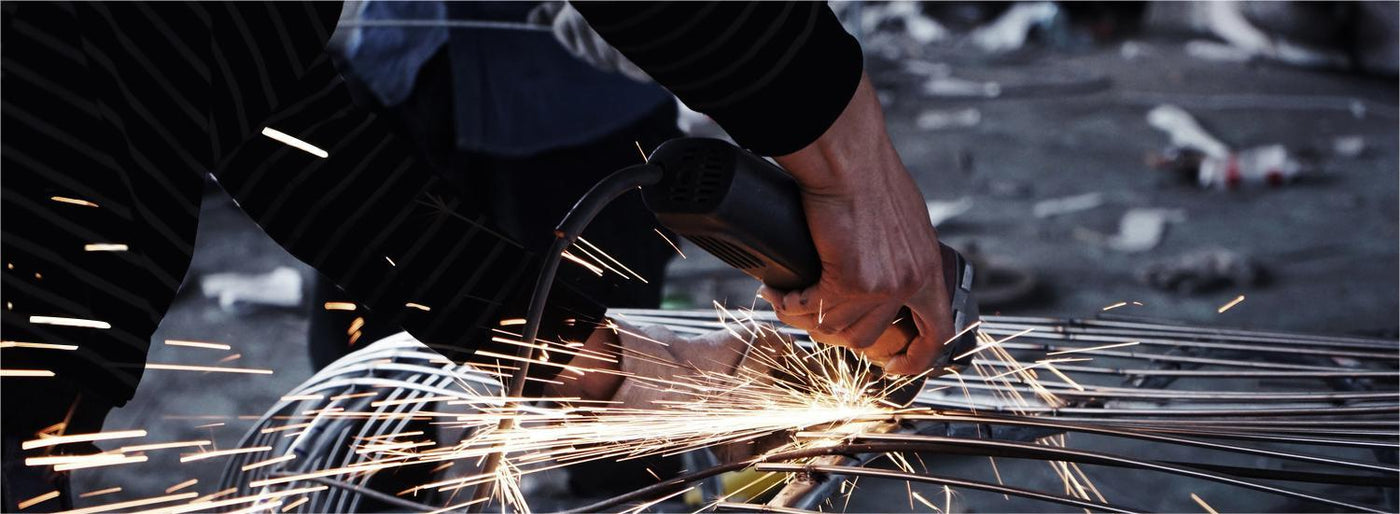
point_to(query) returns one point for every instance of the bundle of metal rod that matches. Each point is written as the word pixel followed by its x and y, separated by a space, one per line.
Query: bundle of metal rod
pixel 1307 419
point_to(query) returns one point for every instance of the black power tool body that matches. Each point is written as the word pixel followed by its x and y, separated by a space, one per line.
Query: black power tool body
pixel 748 212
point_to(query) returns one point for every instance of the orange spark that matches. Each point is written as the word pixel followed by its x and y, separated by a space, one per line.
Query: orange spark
pixel 197 344
pixel 74 201
pixel 211 369
pixel 38 499
pixel 69 322
pixel 78 438
pixel 191 457
pixel 181 485
pixel 1228 306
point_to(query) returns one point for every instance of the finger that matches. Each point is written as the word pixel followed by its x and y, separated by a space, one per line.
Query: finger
pixel 934 318
pixel 803 322
pixel 917 358
pixel 865 335
pixel 808 323
pixel 803 301
pixel 834 320
pixel 774 297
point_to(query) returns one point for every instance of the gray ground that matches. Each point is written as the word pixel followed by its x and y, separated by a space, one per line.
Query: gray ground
pixel 1330 245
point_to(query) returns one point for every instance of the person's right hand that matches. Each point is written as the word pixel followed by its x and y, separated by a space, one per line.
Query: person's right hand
pixel 879 251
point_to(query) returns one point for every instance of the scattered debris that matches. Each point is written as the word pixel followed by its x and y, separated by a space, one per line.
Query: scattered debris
pixel 1131 50
pixel 941 211
pixel 1185 131
pixel 1271 165
pixel 1350 147
pixel 953 87
pixel 1245 40
pixel 1198 155
pixel 935 119
pixel 917 26
pixel 1139 230
pixel 1011 29
pixel 278 288
pixel 1006 188
pixel 1201 270
pixel 1219 52
pixel 1067 205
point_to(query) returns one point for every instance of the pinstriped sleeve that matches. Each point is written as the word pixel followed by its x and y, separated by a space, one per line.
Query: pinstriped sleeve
pixel 775 75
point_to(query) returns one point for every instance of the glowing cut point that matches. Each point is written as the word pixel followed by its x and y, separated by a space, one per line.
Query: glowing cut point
pixel 294 142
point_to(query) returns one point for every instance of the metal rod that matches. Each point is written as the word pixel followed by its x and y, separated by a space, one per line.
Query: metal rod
pixel 1008 322
pixel 1327 411
pixel 1064 389
pixel 942 480
pixel 367 492
pixel 1146 339
pixel 1205 373
pixel 759 507
pixel 1031 451
pixel 1056 333
pixel 1074 427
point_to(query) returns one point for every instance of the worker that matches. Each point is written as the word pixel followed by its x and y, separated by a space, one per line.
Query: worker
pixel 113 113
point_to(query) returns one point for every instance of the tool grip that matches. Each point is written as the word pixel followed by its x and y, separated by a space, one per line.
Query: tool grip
pixel 748 212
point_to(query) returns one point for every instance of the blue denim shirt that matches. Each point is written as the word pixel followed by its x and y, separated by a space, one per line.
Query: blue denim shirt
pixel 515 92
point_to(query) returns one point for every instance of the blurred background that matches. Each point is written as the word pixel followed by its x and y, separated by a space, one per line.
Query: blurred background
pixel 1176 155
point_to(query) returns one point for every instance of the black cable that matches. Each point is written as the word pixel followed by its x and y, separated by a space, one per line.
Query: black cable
pixel 569 229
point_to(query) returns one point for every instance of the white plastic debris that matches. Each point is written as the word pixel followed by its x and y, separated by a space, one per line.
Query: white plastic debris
pixel 278 288
pixel 1270 165
pixel 940 211
pixel 1139 230
pixel 1218 52
pixel 922 29
pixel 953 87
pixel 1348 146
pixel 935 119
pixel 1131 50
pixel 1186 131
pixel 1067 205
pixel 1010 30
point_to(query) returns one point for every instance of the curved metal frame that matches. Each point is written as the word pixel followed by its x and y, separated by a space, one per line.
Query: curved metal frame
pixel 1355 416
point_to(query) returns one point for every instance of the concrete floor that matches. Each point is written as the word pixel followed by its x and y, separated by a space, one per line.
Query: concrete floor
pixel 1330 246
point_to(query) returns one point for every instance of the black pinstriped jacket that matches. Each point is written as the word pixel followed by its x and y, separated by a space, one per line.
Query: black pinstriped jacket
pixel 112 113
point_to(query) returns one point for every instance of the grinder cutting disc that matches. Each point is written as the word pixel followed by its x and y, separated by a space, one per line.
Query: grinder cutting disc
pixel 957 275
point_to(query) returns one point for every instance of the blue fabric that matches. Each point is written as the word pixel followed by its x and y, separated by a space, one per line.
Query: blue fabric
pixel 516 92
pixel 388 58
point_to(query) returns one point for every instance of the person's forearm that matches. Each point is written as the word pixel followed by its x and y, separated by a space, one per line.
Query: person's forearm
pixel 853 154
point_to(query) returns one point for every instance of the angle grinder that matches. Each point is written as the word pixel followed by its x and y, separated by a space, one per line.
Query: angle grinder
pixel 748 212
